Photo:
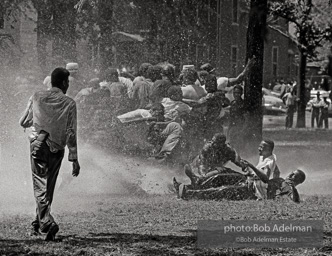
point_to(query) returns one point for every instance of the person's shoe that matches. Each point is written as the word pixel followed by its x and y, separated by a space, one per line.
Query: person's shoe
pixel 50 236
pixel 176 185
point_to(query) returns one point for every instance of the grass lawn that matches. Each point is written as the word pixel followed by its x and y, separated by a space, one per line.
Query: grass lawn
pixel 152 224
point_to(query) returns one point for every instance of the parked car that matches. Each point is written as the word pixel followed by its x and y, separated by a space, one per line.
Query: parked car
pixel 313 95
pixel 272 104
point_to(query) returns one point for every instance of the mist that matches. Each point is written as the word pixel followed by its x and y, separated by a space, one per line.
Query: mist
pixel 105 174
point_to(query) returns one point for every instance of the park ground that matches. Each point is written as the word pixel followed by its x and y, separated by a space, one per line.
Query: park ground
pixel 124 206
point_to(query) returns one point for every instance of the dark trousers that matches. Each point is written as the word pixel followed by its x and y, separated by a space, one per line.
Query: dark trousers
pixel 45 167
pixel 314 116
pixel 324 118
pixel 289 116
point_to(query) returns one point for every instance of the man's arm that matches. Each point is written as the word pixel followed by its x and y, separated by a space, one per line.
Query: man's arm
pixel 241 76
pixel 27 118
pixel 260 174
pixel 72 139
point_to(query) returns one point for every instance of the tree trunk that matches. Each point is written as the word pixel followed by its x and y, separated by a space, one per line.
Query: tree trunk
pixel 106 29
pixel 301 91
pixel 64 32
pixel 253 87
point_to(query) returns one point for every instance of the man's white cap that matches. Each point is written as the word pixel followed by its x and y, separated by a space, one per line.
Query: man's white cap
pixel 72 67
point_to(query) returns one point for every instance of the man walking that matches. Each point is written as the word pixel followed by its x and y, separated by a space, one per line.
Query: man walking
pixel 52 116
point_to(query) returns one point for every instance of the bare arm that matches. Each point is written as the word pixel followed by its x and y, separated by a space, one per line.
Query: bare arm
pixel 260 174
pixel 241 76
pixel 27 118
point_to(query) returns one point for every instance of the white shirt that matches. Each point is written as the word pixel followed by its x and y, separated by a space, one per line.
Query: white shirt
pixel 175 110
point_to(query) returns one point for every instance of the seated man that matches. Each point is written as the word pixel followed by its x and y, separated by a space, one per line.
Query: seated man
pixel 163 135
pixel 175 109
pixel 267 165
pixel 205 169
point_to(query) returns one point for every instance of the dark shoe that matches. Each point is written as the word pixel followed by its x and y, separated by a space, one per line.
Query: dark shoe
pixel 176 185
pixel 50 236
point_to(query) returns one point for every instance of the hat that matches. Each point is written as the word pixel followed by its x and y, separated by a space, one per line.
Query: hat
pixel 72 67
pixel 184 67
pixel 207 67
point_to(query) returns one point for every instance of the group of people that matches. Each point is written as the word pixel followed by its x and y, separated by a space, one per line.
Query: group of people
pixel 191 105
pixel 195 98
pixel 318 104
pixel 319 111
pixel 210 179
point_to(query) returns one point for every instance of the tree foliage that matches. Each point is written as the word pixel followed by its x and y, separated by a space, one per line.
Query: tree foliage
pixel 310 32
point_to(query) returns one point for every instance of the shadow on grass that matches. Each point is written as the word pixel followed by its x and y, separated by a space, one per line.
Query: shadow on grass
pixel 114 243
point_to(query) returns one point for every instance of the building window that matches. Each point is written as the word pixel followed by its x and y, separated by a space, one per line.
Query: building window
pixel 235 10
pixel 275 61
pixel 209 11
pixel 2 19
pixel 234 53
pixel 290 62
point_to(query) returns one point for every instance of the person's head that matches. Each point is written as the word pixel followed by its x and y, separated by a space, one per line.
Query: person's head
pixel 189 76
pixel 72 67
pixel 218 139
pixel 60 79
pixel 237 92
pixel 297 177
pixel 175 93
pixel 266 148
pixel 167 71
pixel 157 110
pixel 208 67
pixel 142 71
pixel 153 73
pixel 211 85
pixel 94 83
pixel 111 75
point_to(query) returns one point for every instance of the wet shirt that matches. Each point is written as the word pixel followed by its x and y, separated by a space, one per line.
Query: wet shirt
pixel 159 90
pixel 214 103
pixel 141 93
pixel 237 112
pixel 212 156
pixel 289 99
pixel 55 113
pixel 175 110
pixel 279 187
pixel 268 165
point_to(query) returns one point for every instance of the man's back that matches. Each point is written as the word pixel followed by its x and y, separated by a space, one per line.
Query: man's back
pixel 193 92
pixel 55 113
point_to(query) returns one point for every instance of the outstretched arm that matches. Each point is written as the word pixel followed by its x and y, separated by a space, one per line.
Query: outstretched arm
pixel 260 174
pixel 241 76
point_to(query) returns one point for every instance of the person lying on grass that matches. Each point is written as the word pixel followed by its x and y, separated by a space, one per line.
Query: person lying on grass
pixel 280 187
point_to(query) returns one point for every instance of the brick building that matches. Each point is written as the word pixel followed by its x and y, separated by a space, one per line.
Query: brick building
pixel 222 41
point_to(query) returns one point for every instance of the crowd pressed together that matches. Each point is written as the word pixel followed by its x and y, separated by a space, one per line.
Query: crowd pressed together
pixel 191 107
